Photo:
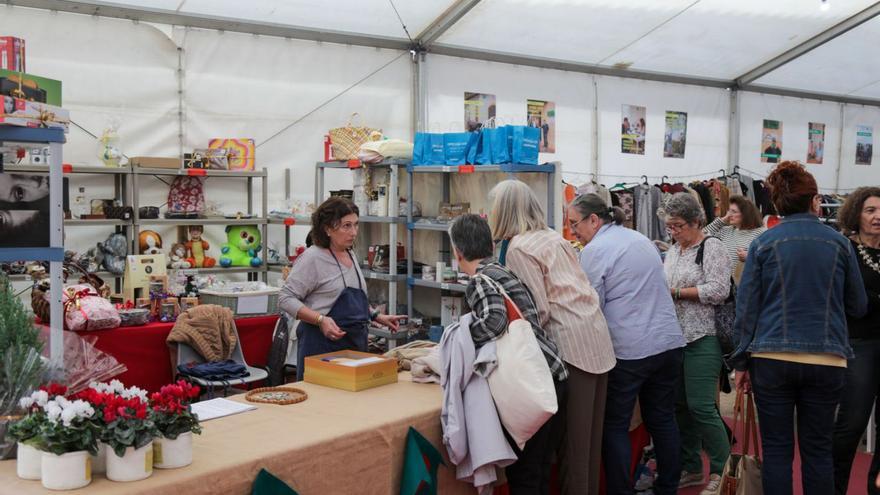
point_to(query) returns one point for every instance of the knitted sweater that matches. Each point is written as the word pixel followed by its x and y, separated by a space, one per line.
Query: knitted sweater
pixel 209 329
pixel 732 238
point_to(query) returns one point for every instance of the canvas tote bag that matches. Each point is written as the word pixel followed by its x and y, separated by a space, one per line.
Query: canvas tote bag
pixel 521 384
pixel 742 472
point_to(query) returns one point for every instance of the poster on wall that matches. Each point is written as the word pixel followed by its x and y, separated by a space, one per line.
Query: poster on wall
pixel 771 141
pixel 632 130
pixel 815 143
pixel 24 210
pixel 542 114
pixel 864 144
pixel 479 110
pixel 675 138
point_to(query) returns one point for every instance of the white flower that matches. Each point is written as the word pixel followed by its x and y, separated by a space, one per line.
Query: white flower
pixel 117 386
pixel 62 401
pixel 133 392
pixel 41 397
pixel 26 402
pixel 53 411
pixel 68 415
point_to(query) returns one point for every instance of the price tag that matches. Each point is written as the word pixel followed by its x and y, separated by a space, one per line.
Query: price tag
pixel 353 164
pixel 465 169
pixel 444 286
pixel 67 168
pixel 196 172
pixel 289 221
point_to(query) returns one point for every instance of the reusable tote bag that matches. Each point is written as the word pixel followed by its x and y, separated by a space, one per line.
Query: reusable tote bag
pixel 524 144
pixel 346 141
pixel 455 147
pixel 521 384
pixel 742 472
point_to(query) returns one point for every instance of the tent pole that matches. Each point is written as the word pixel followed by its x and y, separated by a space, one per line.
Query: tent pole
pixel 594 165
pixel 840 148
pixel 734 130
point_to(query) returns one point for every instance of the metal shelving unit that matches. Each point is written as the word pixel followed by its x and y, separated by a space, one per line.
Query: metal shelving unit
pixel 394 166
pixel 262 174
pixel 54 254
pixel 551 169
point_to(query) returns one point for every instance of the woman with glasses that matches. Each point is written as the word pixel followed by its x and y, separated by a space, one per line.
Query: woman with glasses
pixel 625 269
pixel 326 291
pixel 737 229
pixel 698 272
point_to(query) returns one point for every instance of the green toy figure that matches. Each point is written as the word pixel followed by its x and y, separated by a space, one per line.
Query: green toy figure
pixel 242 248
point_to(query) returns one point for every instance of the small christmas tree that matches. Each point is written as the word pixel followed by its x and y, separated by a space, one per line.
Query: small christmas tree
pixel 21 367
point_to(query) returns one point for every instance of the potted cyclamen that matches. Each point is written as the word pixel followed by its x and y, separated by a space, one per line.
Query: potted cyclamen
pixel 176 422
pixel 26 431
pixel 128 432
pixel 67 438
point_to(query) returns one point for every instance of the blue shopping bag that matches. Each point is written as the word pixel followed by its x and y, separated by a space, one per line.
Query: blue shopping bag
pixel 524 144
pixel 420 144
pixel 484 148
pixel 436 155
pixel 500 147
pixel 455 147
pixel 472 147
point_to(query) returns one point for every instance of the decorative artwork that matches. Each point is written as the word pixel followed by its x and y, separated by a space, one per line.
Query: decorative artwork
pixel 542 114
pixel 632 130
pixel 815 143
pixel 864 144
pixel 240 153
pixel 479 111
pixel 675 137
pixel 24 210
pixel 771 141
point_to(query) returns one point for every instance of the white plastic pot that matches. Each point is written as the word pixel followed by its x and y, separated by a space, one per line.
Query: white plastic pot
pixel 99 462
pixel 28 462
pixel 169 454
pixel 67 471
pixel 136 464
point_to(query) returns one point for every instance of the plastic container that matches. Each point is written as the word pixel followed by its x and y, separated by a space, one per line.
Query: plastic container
pixel 134 317
pixel 243 298
pixel 66 471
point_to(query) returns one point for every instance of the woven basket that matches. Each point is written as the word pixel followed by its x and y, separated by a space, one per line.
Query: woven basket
pixel 42 307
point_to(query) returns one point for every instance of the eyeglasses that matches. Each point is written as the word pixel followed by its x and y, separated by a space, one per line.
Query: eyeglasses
pixel 347 227
pixel 573 225
pixel 676 227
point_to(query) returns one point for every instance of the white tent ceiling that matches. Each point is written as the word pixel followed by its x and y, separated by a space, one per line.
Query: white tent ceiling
pixel 715 42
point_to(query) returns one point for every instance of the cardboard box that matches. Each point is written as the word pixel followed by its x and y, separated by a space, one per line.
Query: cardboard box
pixel 23 113
pixel 50 89
pixel 12 53
pixel 139 271
pixel 240 152
pixel 330 370
pixel 154 162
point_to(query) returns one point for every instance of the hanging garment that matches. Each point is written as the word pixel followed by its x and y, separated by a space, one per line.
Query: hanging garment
pixel 569 192
pixel 593 188
pixel 705 199
pixel 733 186
pixel 721 197
pixel 762 198
pixel 647 204
pixel 625 200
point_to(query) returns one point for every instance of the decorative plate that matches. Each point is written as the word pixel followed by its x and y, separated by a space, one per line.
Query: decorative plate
pixel 276 395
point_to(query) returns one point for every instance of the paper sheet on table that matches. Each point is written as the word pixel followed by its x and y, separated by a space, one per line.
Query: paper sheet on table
pixel 217 408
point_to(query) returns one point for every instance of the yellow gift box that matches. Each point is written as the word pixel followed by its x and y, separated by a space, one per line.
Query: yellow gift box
pixel 350 370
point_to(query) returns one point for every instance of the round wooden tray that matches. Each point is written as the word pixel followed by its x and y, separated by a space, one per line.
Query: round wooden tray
pixel 276 395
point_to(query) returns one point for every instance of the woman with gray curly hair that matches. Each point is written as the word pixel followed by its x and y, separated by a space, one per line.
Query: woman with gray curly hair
pixel 698 272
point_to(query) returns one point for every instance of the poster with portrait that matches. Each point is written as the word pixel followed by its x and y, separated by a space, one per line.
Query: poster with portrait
pixel 542 114
pixel 632 130
pixel 479 110
pixel 815 143
pixel 864 144
pixel 24 210
pixel 771 141
pixel 675 137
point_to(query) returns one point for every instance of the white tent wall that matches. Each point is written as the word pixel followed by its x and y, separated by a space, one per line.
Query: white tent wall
pixel 708 116
pixel 795 114
pixel 852 175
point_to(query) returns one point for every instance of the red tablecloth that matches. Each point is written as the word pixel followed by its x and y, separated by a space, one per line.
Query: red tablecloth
pixel 143 350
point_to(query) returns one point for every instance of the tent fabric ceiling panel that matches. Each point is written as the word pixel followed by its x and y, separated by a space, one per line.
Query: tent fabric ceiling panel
pixel 844 65
pixel 724 39
pixel 371 17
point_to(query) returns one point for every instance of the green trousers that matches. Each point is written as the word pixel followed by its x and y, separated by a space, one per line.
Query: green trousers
pixel 698 418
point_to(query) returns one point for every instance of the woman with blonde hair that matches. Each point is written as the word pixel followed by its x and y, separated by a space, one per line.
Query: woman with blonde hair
pixel 568 310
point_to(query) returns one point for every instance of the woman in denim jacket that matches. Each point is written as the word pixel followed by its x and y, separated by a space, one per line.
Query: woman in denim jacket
pixel 800 281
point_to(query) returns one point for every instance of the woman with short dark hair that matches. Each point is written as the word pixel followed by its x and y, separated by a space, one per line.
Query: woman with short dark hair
pixel 326 290
pixel 800 282
pixel 859 219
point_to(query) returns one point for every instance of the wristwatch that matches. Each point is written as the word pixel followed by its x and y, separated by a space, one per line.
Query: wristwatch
pixel 375 314
pixel 319 320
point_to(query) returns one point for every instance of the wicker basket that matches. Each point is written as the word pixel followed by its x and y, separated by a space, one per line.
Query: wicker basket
pixel 228 298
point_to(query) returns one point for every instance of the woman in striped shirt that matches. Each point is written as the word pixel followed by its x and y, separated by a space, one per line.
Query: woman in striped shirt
pixel 737 229
pixel 568 310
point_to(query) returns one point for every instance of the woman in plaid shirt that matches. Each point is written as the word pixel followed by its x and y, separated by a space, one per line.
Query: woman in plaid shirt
pixel 472 243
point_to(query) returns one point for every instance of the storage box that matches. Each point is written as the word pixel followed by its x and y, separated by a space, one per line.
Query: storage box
pixel 244 298
pixel 241 152
pixel 154 162
pixel 12 53
pixel 23 113
pixel 330 370
pixel 34 87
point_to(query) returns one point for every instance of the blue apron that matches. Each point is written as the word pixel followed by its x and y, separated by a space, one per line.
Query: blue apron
pixel 351 312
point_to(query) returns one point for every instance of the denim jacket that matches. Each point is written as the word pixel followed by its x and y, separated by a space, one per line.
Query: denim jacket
pixel 801 279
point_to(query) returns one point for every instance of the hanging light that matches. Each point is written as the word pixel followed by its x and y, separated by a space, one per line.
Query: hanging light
pixel 824 6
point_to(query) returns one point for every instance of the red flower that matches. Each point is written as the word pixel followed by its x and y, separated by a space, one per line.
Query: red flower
pixel 54 389
pixel 141 413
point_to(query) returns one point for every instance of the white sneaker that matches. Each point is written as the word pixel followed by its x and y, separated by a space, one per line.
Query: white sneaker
pixel 713 487
pixel 690 479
